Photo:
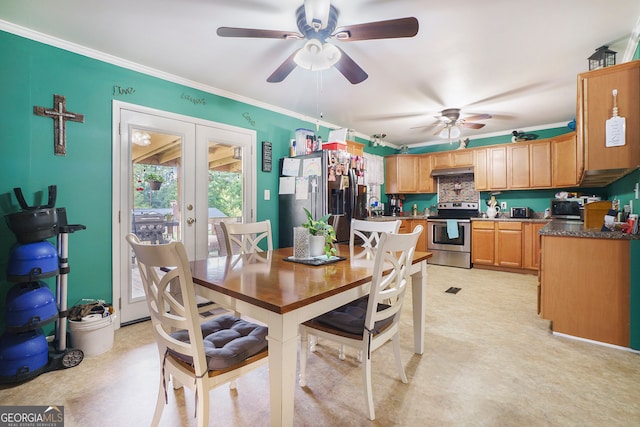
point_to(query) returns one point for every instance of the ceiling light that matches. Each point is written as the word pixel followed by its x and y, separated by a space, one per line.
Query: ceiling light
pixel 316 56
pixel 317 13
pixel 450 132
pixel 141 138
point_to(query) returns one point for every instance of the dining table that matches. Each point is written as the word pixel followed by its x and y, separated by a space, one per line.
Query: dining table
pixel 281 292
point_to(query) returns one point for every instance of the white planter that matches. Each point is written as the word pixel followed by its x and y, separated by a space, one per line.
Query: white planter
pixel 316 245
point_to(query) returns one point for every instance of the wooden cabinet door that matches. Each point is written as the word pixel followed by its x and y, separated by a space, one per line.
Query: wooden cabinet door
pixel 401 174
pixel 441 160
pixel 460 158
pixel 422 240
pixel 426 182
pixel 480 169
pixel 518 166
pixel 497 168
pixel 482 242
pixel 355 148
pixel 540 164
pixel 595 103
pixel 531 245
pixel 565 161
pixel 509 244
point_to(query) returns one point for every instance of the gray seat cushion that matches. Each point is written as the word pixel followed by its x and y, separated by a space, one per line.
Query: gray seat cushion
pixel 350 317
pixel 228 340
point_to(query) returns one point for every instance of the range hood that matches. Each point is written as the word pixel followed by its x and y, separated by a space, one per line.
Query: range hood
pixel 452 171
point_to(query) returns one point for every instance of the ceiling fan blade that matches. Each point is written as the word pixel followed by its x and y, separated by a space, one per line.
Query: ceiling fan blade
pixel 257 33
pixel 283 70
pixel 472 125
pixel 390 29
pixel 350 69
pixel 479 117
pixel 432 125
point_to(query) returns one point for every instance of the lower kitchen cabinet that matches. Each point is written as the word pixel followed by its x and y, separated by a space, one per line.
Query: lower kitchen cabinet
pixel 508 245
pixel 408 225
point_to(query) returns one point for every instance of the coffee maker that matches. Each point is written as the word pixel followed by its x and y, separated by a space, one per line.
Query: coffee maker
pixel 394 205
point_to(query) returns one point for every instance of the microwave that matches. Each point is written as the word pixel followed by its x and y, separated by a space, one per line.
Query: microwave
pixel 566 209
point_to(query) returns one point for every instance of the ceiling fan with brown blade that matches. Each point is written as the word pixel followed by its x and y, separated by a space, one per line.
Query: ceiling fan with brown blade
pixel 316 21
pixel 449 123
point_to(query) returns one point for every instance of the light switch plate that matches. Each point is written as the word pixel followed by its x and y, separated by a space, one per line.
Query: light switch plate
pixel 267 195
pixel 503 206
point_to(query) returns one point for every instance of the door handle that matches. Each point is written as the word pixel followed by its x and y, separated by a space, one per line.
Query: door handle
pixel 190 221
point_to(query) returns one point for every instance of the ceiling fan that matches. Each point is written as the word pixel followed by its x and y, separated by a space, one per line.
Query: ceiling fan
pixel 449 123
pixel 316 21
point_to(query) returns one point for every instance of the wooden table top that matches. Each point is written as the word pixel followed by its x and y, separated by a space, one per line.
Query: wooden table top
pixel 267 280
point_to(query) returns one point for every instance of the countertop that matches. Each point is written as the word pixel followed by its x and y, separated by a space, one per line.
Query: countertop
pixel 576 229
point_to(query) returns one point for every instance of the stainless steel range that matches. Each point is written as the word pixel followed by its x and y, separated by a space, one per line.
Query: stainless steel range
pixel 449 234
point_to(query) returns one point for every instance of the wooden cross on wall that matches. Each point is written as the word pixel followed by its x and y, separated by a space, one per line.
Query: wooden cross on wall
pixel 59 114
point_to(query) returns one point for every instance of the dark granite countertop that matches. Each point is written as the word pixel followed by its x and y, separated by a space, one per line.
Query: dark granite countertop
pixel 576 229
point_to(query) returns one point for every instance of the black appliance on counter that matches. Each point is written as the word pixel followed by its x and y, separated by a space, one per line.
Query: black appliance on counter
pixel 323 182
pixel 449 233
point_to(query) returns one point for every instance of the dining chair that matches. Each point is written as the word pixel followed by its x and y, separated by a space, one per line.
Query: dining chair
pixel 366 234
pixel 369 322
pixel 198 355
pixel 245 237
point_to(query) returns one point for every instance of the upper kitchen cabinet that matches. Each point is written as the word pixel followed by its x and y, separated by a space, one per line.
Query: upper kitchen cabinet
pixel 426 183
pixel 355 148
pixel 529 165
pixel 401 174
pixel 452 159
pixel 490 168
pixel 566 165
pixel 604 164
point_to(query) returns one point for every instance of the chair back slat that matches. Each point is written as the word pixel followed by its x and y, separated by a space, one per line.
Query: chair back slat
pixel 369 231
pixel 393 255
pixel 167 312
pixel 247 237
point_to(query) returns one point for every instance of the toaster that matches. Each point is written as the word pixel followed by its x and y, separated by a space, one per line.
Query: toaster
pixel 520 212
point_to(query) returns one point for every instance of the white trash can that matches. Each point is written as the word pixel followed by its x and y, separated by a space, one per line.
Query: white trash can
pixel 93 334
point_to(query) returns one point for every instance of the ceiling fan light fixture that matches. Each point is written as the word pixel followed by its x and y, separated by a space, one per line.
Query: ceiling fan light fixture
pixel 450 132
pixel 316 56
pixel 317 13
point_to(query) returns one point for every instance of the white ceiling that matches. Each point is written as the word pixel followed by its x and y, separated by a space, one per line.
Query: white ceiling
pixel 516 60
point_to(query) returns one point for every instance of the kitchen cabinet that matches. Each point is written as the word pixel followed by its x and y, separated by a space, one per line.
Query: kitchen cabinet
pixel 426 183
pixel 531 245
pixel 497 168
pixel 564 155
pixel 518 166
pixel 452 159
pixel 595 104
pixel 480 169
pixel 407 227
pixel 540 164
pixel 508 244
pixel 585 287
pixel 401 174
pixel 355 148
pixel 483 242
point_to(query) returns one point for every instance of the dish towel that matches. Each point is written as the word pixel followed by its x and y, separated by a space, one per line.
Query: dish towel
pixel 452 229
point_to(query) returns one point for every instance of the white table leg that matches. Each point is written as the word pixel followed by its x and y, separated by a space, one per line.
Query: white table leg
pixel 283 350
pixel 419 300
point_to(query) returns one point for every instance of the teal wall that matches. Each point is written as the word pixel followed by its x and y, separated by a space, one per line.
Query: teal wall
pixel 30 74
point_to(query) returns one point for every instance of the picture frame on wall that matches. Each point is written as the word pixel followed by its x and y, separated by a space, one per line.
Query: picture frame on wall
pixel 266 156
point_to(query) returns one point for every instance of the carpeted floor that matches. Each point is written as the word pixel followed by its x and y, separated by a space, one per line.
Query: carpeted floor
pixel 489 361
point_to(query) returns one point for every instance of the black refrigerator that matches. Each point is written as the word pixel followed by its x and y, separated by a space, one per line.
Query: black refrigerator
pixel 323 182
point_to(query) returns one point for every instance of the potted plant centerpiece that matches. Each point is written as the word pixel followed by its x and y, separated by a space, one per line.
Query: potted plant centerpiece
pixel 322 232
pixel 154 180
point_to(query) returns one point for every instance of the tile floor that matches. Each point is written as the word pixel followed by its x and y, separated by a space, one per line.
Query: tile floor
pixel 489 361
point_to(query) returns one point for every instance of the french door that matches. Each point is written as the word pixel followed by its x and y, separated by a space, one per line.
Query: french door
pixel 169 171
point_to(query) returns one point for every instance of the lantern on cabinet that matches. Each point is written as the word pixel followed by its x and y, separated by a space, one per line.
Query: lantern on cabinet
pixel 603 57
